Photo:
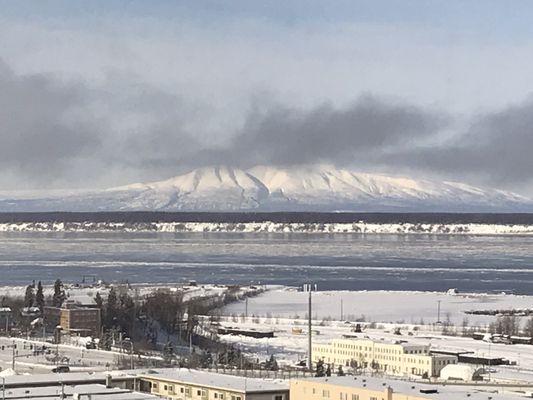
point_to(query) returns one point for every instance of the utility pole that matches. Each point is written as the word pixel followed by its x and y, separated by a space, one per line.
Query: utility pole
pixel 13 356
pixel 438 311
pixel 246 308
pixel 309 328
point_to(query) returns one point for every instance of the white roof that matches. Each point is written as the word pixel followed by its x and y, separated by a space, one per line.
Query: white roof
pixel 445 392
pixel 66 378
pixel 459 371
pixel 218 380
pixel 94 390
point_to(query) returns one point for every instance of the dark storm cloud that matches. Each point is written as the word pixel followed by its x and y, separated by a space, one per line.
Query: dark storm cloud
pixel 61 132
pixel 283 135
pixel 496 147
pixel 37 134
pixel 133 131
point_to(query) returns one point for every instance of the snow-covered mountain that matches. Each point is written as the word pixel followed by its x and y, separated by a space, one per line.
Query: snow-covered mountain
pixel 265 188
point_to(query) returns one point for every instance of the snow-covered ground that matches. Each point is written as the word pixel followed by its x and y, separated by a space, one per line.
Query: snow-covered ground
pixel 85 294
pixel 380 306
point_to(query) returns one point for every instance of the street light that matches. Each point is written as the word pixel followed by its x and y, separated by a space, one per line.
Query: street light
pixel 128 341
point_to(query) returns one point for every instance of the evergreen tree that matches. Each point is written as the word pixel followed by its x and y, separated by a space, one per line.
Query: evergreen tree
pixel 29 297
pixel 59 294
pixel 320 369
pixel 39 297
pixel 328 370
pixel 340 371
pixel 272 364
pixel 111 310
pixel 99 301
pixel 126 312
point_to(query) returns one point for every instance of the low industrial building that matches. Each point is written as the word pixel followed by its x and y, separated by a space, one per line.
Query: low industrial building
pixel 181 384
pixel 369 388
pixel 395 358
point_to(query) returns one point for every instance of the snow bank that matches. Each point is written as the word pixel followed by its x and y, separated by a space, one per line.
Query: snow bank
pixel 273 227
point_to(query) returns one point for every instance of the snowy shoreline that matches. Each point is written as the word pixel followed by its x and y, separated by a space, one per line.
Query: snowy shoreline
pixel 274 227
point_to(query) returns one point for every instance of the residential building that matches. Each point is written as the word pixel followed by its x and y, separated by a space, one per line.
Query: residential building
pixel 369 388
pixel 391 357
pixel 74 319
pixel 181 384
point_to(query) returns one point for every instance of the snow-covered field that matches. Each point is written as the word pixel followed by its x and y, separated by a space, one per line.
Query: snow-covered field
pixel 380 306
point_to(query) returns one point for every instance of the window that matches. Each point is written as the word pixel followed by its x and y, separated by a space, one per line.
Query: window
pixel 165 387
pixel 325 393
pixel 355 397
pixel 278 397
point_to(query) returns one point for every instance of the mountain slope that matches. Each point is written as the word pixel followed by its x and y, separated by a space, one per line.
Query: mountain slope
pixel 303 188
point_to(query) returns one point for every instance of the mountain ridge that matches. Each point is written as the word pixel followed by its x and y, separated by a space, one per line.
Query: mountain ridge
pixel 296 188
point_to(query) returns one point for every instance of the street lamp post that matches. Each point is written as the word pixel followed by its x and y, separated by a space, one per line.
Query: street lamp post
pixel 131 351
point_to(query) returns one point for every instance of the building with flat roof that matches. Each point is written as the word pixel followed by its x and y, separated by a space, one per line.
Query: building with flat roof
pixel 181 384
pixel 73 319
pixel 368 388
pixel 391 357
pixel 77 392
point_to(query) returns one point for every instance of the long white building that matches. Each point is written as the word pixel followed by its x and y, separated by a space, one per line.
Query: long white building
pixel 396 358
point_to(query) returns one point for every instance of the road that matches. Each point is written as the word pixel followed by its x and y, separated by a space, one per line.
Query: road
pixel 29 360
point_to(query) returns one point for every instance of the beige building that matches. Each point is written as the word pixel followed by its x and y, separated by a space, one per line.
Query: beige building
pixel 187 384
pixel 395 358
pixel 368 388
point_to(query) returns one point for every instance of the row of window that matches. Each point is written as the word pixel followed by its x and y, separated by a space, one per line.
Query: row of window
pixel 169 389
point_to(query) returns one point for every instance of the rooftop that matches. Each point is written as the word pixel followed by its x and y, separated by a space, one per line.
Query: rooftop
pixel 218 380
pixel 96 392
pixel 444 392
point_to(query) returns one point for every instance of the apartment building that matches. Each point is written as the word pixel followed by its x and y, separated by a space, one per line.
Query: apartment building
pixel 186 384
pixel 369 388
pixel 74 319
pixel 391 357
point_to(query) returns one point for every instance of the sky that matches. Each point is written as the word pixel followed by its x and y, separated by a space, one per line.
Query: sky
pixel 96 94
